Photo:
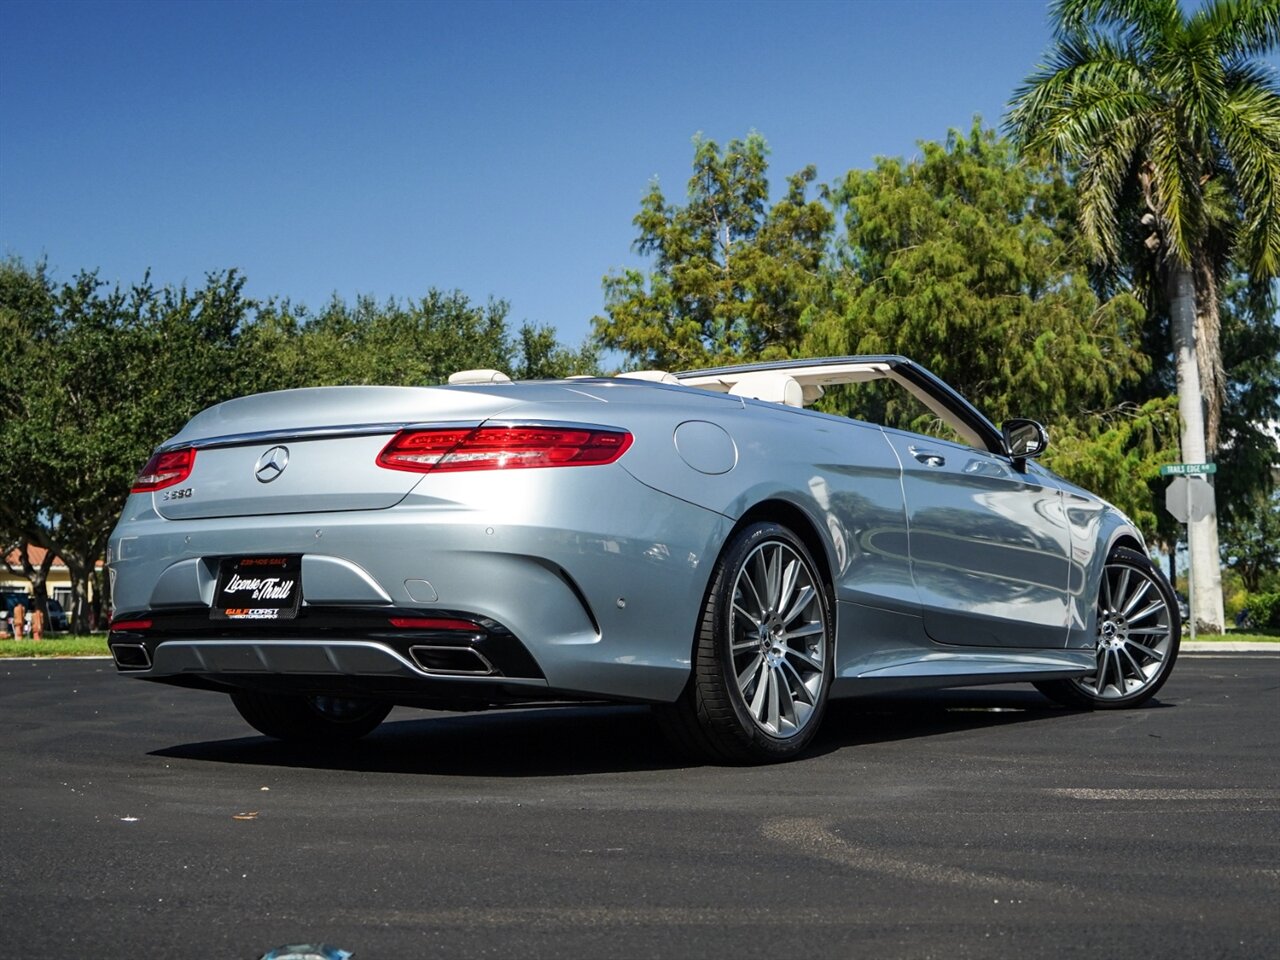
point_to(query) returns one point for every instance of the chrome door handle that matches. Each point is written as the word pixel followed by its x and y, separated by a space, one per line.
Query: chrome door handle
pixel 929 459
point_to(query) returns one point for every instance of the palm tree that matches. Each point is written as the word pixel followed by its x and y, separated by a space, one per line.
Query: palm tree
pixel 1174 126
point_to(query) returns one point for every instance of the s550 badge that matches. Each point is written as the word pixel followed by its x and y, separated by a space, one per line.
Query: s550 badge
pixel 185 493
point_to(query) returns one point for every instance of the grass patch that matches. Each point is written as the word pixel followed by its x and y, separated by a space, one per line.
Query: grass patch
pixel 60 646
pixel 1252 634
pixel 1247 635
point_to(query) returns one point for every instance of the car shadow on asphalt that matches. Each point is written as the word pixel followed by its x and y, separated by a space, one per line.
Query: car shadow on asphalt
pixel 576 740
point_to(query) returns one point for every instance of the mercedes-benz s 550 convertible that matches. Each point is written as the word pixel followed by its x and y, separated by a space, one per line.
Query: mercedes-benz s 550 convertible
pixel 706 542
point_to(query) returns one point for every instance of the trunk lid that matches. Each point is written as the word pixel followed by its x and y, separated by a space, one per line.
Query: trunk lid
pixel 311 450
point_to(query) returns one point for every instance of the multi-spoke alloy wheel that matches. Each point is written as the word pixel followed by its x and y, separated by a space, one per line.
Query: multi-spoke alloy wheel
pixel 779 630
pixel 1137 639
pixel 762 662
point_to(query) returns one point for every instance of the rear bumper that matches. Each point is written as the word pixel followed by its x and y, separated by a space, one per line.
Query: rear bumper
pixel 597 581
pixel 349 653
pixel 332 641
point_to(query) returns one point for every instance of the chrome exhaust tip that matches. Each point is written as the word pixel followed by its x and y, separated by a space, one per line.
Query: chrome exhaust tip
pixel 451 661
pixel 131 656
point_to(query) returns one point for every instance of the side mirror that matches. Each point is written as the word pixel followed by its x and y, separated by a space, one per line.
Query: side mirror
pixel 1024 439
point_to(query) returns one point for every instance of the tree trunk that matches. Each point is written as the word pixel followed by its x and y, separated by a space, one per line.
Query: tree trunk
pixel 79 594
pixel 37 576
pixel 1202 535
pixel 97 610
pixel 1213 377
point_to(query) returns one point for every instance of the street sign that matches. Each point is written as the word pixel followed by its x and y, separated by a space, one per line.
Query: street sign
pixel 1183 469
pixel 1188 498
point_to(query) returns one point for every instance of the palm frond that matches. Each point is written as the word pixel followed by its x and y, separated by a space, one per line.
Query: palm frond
pixel 1144 22
pixel 1250 137
pixel 1241 28
pixel 1102 179
pixel 1082 63
pixel 1191 71
pixel 1175 184
pixel 1092 121
pixel 1242 72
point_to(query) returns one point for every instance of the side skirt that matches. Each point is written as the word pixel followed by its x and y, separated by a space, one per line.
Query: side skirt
pixel 969 669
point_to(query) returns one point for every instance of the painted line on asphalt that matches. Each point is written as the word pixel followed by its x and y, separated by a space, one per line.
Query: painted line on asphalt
pixel 816 838
pixel 760 915
pixel 1229 793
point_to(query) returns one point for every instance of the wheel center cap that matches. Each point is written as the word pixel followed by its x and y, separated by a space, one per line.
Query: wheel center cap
pixel 1112 634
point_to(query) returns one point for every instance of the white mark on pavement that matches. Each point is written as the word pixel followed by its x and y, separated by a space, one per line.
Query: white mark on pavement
pixel 1089 793
pixel 816 839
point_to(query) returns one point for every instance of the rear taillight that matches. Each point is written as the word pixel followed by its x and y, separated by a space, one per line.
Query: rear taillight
pixel 434 623
pixel 502 448
pixel 164 470
pixel 130 626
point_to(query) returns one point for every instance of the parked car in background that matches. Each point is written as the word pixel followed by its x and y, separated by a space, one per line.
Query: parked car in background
pixel 10 600
pixel 698 541
pixel 58 621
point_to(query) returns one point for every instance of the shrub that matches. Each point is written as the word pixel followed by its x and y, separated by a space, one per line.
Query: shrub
pixel 1264 609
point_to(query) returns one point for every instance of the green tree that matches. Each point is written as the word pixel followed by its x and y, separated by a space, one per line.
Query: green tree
pixel 106 375
pixel 540 356
pixel 395 342
pixel 1248 459
pixel 401 343
pixel 965 259
pixel 1251 542
pixel 733 277
pixel 1176 131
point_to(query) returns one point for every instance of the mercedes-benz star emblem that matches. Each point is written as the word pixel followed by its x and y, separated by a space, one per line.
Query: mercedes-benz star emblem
pixel 271 464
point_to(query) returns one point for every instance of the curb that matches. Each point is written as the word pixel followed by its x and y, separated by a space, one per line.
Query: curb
pixel 1228 646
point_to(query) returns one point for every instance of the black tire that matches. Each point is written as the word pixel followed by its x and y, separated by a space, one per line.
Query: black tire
pixel 713 719
pixel 302 719
pixel 1138 637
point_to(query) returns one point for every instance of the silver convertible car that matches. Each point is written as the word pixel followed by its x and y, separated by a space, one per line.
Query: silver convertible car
pixel 705 542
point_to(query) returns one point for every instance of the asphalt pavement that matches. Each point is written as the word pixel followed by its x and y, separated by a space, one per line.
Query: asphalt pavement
pixel 145 821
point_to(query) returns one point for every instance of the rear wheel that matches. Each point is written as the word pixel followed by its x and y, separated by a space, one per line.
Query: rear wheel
pixel 1138 634
pixel 762 664
pixel 306 719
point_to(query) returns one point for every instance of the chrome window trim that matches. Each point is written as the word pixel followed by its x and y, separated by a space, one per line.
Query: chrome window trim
pixel 366 430
pixel 307 433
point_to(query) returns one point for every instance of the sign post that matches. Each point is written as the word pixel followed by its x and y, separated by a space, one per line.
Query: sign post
pixel 1189 497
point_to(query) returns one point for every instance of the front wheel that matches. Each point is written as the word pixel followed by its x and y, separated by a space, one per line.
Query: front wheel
pixel 309 719
pixel 1137 641
pixel 762 663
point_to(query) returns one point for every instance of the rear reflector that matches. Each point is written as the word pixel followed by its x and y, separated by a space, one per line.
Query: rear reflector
pixel 165 470
pixel 130 625
pixel 434 623
pixel 502 448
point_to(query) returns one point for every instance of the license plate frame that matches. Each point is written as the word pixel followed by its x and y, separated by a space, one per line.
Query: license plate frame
pixel 258 588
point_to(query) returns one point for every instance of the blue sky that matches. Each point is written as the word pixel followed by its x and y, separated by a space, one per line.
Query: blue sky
pixel 496 148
